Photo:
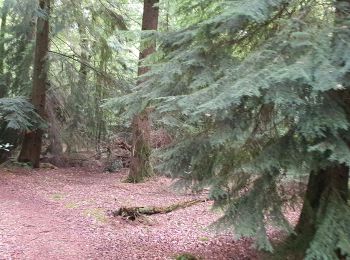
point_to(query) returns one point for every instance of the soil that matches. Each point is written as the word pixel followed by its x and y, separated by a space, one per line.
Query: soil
pixel 63 214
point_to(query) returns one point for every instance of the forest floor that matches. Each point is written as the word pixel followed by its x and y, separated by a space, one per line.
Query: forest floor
pixel 63 214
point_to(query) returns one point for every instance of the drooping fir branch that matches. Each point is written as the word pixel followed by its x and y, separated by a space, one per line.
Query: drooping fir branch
pixel 77 59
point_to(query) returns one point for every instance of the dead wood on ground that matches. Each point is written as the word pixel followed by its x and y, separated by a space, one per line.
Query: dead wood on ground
pixel 133 212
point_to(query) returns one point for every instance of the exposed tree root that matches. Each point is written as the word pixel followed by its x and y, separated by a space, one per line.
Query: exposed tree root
pixel 133 212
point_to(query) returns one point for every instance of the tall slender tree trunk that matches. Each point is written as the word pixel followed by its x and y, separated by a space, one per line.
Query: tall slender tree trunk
pixel 78 99
pixel 83 70
pixel 3 85
pixel 31 147
pixel 140 166
pixel 100 124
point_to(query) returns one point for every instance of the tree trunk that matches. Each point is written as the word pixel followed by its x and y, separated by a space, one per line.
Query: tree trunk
pixel 140 166
pixel 100 124
pixel 83 70
pixel 149 22
pixel 31 147
pixel 321 188
pixel 3 85
pixel 54 151
pixel 78 100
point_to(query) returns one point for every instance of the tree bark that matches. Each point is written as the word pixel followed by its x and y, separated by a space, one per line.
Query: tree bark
pixel 149 22
pixel 3 85
pixel 31 147
pixel 78 100
pixel 83 70
pixel 55 149
pixel 140 167
pixel 134 212
pixel 100 124
pixel 321 186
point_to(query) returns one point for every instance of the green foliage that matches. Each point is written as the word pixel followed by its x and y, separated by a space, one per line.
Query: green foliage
pixel 186 256
pixel 91 58
pixel 90 63
pixel 17 37
pixel 18 114
pixel 332 235
pixel 258 90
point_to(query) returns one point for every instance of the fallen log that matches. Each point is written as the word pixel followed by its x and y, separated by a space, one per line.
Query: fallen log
pixel 133 212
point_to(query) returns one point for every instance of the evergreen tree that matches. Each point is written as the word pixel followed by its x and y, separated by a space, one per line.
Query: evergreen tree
pixel 260 92
pixel 140 167
pixel 17 116
pixel 31 147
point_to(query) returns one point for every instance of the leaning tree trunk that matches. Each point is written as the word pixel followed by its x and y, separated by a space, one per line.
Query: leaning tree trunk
pixel 140 166
pixel 31 147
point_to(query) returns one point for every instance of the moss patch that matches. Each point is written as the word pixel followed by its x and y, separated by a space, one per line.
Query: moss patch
pixel 71 205
pixel 186 256
pixel 97 214
pixel 57 196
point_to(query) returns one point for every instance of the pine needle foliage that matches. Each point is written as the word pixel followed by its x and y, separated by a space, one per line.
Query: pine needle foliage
pixel 17 37
pixel 257 90
pixel 18 114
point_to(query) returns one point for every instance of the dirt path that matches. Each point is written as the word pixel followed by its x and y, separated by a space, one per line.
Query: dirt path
pixel 61 214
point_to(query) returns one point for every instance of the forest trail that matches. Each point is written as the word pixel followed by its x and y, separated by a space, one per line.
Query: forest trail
pixel 62 214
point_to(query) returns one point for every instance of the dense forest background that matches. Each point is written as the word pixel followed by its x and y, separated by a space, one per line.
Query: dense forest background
pixel 239 97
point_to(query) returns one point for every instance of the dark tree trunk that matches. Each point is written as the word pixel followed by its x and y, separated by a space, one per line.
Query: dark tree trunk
pixel 321 187
pixel 149 22
pixel 140 166
pixel 31 147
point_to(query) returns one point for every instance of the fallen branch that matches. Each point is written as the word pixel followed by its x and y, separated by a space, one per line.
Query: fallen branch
pixel 133 212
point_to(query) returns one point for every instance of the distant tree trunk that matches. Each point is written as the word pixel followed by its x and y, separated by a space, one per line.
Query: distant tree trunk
pixel 3 85
pixel 31 147
pixel 83 70
pixel 100 125
pixel 140 166
pixel 78 97
pixel 55 148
